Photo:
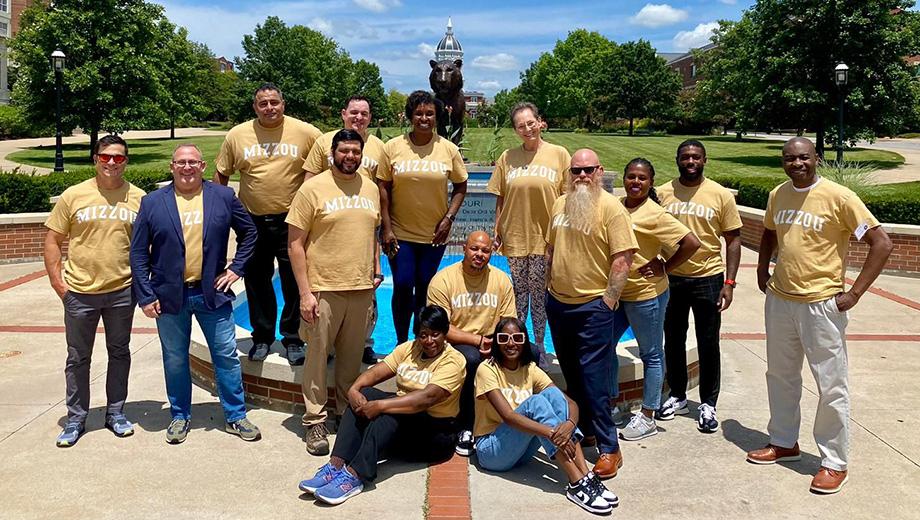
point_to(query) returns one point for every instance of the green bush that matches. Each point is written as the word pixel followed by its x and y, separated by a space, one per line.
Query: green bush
pixel 23 193
pixel 14 125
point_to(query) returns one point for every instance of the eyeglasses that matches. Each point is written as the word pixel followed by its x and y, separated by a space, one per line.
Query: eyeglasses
pixel 504 337
pixel 587 170
pixel 106 157
pixel 190 164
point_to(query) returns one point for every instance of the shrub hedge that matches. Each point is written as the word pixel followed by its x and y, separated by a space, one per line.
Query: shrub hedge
pixel 895 203
pixel 25 193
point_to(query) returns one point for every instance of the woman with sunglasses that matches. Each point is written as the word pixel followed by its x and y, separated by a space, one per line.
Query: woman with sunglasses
pixel 416 423
pixel 645 295
pixel 527 180
pixel 519 409
pixel 415 215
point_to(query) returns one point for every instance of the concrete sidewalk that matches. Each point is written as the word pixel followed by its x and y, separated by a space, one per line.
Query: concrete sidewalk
pixel 679 473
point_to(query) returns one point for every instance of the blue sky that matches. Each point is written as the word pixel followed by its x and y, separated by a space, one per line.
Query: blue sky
pixel 499 39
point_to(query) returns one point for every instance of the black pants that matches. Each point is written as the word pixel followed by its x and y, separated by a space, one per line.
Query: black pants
pixel 702 296
pixel 417 437
pixel 263 307
pixel 467 415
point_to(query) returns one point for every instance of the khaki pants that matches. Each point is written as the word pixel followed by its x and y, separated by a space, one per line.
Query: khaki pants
pixel 341 326
pixel 817 332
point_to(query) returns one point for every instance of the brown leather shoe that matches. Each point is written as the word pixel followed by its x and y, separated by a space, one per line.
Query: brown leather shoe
pixel 773 454
pixel 828 481
pixel 608 464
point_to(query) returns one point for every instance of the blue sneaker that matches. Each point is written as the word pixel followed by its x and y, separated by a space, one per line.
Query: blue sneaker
pixel 342 487
pixel 325 475
pixel 70 435
pixel 120 425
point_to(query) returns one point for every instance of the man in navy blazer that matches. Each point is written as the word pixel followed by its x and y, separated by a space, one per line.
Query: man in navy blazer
pixel 179 268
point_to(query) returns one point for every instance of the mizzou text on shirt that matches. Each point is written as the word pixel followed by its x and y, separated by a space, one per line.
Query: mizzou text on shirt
pixel 812 230
pixel 270 162
pixel 420 176
pixel 530 183
pixel 191 213
pixel 582 257
pixel 339 217
pixel 656 231
pixel 319 157
pixel 99 224
pixel 475 303
pixel 709 210
pixel 515 385
pixel 413 372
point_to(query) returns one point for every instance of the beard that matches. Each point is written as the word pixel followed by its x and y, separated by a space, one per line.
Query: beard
pixel 691 177
pixel 581 204
pixel 346 168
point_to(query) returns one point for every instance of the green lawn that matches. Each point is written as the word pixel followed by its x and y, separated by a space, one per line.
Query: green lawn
pixel 727 157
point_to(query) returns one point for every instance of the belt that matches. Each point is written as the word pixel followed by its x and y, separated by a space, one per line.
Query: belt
pixel 269 218
pixel 193 285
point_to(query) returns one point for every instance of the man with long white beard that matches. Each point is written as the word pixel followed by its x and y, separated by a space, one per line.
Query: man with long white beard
pixel 589 250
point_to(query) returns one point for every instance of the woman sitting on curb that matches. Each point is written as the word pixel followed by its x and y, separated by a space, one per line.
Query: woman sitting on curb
pixel 518 409
pixel 417 422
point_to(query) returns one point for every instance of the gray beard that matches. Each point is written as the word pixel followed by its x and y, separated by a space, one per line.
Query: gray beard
pixel 581 205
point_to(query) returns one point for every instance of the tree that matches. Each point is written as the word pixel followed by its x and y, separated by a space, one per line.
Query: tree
pixel 504 101
pixel 366 81
pixel 642 83
pixel 114 62
pixel 187 69
pixel 396 104
pixel 774 67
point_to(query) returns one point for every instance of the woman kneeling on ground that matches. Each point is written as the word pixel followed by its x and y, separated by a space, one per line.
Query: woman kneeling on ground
pixel 416 423
pixel 518 409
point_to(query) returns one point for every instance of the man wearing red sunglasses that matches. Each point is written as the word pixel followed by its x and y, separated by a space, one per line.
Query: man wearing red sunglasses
pixel 97 217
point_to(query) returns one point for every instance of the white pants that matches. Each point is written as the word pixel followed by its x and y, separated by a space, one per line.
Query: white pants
pixel 816 331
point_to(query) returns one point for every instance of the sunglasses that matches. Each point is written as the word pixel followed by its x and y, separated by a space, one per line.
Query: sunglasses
pixel 504 337
pixel 578 170
pixel 106 157
pixel 183 164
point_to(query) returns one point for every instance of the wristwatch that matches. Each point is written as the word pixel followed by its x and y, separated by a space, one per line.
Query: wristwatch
pixel 450 217
pixel 731 283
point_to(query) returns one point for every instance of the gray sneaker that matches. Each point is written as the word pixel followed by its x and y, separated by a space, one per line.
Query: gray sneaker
pixel 177 431
pixel 639 427
pixel 245 429
pixel 259 352
pixel 619 416
pixel 316 439
pixel 294 354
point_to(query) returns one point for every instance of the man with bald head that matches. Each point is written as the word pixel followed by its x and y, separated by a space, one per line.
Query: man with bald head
pixel 808 223
pixel 589 250
pixel 476 296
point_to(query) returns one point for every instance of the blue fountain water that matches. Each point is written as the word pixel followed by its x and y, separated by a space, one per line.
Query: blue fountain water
pixel 384 335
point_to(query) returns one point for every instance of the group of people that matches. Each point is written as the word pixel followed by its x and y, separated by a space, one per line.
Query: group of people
pixel 324 207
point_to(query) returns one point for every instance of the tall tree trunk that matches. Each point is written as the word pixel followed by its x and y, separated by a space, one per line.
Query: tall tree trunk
pixel 819 140
pixel 631 126
pixel 93 138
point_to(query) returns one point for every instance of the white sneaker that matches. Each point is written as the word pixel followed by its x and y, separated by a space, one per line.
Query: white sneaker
pixel 465 445
pixel 707 422
pixel 588 497
pixel 673 406
pixel 639 427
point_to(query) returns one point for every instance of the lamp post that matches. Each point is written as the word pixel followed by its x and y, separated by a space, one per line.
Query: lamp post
pixel 58 61
pixel 840 78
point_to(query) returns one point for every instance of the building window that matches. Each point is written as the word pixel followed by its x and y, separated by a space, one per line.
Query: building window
pixel 693 70
pixel 4 6
pixel 4 28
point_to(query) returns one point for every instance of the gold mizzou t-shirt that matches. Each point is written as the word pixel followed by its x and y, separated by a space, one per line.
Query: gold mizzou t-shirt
pixel 582 257
pixel 99 224
pixel 419 175
pixel 414 373
pixel 655 230
pixel 191 217
pixel 530 183
pixel 475 303
pixel 709 210
pixel 319 158
pixel 515 385
pixel 339 217
pixel 812 227
pixel 270 162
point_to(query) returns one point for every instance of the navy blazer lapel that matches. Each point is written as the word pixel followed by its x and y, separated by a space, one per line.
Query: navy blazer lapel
pixel 172 209
pixel 210 199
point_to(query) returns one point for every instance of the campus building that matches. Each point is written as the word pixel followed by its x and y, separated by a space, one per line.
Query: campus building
pixel 686 65
pixel 10 10
pixel 449 48
pixel 223 64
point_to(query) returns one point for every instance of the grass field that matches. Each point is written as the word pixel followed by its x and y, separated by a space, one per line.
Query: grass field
pixel 727 157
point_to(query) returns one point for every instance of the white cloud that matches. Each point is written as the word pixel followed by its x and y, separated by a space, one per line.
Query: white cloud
pixel 698 37
pixel 500 61
pixel 322 25
pixel 489 84
pixel 378 6
pixel 728 2
pixel 658 15
pixel 424 50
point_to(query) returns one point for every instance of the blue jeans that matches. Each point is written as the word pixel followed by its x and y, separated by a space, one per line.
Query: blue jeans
pixel 413 268
pixel 647 320
pixel 219 330
pixel 507 447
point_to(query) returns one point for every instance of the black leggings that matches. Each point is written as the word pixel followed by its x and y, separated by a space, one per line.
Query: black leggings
pixel 417 437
